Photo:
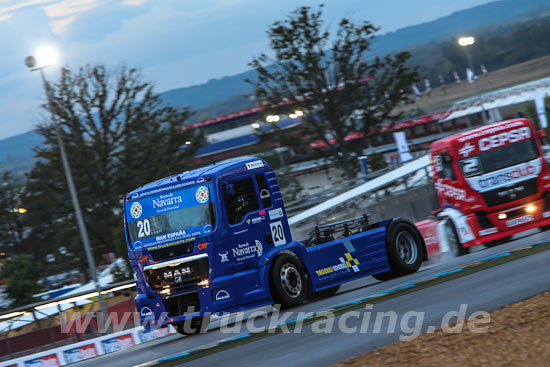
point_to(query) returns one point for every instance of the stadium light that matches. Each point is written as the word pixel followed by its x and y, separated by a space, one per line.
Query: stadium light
pixel 46 57
pixel 272 118
pixel 466 41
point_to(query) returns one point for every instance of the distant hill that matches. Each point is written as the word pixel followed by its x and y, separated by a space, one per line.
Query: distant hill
pixel 16 153
pixel 459 22
pixel 228 94
pixel 452 25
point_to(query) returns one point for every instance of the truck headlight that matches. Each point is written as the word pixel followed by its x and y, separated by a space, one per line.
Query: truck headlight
pixel 530 208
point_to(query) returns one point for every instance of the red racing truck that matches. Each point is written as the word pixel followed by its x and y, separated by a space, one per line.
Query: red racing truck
pixel 492 182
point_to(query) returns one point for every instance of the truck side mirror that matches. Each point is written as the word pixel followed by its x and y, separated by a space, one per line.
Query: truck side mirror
pixel 436 212
pixel 228 190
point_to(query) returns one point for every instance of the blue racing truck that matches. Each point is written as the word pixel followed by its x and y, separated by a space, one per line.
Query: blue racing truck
pixel 216 240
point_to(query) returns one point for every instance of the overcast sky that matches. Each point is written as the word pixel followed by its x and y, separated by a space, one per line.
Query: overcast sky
pixel 176 43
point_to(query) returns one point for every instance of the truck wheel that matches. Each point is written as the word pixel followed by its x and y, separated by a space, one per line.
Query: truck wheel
pixel 289 285
pixel 405 250
pixel 500 241
pixel 454 242
pixel 195 326
pixel 387 275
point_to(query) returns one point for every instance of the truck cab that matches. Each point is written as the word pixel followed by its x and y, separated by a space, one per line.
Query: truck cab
pixel 491 182
pixel 216 240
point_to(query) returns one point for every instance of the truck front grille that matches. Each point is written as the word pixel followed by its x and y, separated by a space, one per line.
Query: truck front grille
pixel 510 193
pixel 182 304
pixel 174 273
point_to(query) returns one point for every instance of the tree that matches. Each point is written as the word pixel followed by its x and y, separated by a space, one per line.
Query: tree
pixel 118 135
pixel 12 228
pixel 22 275
pixel 333 78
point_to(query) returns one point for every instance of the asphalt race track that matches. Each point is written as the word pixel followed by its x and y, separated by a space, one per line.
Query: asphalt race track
pixel 482 290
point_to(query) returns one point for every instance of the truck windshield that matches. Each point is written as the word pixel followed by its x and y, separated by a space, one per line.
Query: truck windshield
pixel 499 158
pixel 170 218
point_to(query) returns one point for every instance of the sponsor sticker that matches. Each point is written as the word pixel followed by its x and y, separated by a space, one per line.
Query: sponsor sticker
pixel 148 335
pixel 136 209
pixel 485 232
pixel 254 165
pixel 506 176
pixel 224 256
pixel 202 194
pixel 80 353
pixel 275 213
pixel 45 361
pixel 450 191
pixel 118 343
pixel 255 220
pixel 246 251
pixel 259 248
pixel 519 220
pixel 466 150
pixel 346 263
pixel 277 233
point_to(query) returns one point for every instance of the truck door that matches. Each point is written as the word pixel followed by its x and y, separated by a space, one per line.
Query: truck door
pixel 245 200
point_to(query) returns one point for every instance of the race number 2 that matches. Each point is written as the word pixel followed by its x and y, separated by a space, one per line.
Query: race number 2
pixel 277 233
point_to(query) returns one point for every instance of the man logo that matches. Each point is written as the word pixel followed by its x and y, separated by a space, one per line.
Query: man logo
pixel 466 150
pixel 145 312
pixel 222 295
pixel 223 257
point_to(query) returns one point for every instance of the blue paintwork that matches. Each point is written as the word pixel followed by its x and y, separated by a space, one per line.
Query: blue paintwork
pixel 240 255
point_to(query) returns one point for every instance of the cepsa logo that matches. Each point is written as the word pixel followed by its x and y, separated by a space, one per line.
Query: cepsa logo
pixel 498 140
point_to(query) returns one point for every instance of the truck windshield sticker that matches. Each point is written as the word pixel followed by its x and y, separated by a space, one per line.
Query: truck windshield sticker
pixel 496 159
pixel 506 176
pixel 170 218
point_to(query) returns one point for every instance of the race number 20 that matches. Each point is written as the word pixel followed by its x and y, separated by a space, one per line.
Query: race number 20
pixel 277 233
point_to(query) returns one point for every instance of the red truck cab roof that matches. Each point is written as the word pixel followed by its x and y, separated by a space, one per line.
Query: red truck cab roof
pixel 458 141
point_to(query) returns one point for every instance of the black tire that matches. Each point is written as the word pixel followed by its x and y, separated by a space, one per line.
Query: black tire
pixel 454 242
pixel 500 241
pixel 387 275
pixel 195 326
pixel 325 292
pixel 289 284
pixel 405 248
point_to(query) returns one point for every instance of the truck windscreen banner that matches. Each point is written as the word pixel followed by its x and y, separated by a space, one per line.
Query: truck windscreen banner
pixel 506 176
pixel 170 218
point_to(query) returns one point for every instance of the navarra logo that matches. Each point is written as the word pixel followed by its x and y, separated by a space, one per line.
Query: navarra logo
pixel 135 210
pixel 202 194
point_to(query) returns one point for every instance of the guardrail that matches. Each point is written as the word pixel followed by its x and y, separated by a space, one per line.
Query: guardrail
pixel 38 326
pixel 403 172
